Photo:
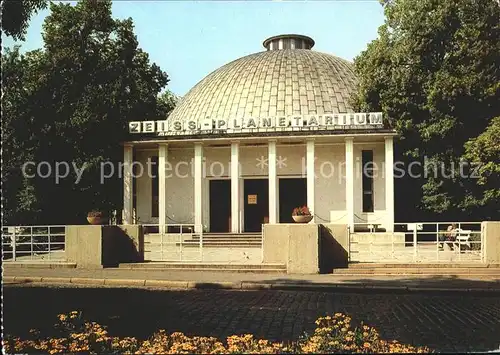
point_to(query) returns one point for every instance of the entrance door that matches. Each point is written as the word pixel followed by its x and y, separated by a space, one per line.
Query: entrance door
pixel 256 195
pixel 293 193
pixel 220 206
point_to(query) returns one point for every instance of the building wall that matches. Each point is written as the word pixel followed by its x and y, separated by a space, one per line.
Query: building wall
pixel 330 182
pixel 143 186
pixel 330 202
pixel 378 215
pixel 180 186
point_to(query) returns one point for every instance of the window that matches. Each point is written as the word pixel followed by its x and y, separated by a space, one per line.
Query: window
pixel 155 187
pixel 367 160
pixel 134 182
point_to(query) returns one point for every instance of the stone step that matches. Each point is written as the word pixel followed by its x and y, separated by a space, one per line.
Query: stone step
pixel 174 248
pixel 416 271
pixel 368 265
pixel 187 238
pixel 233 270
pixel 225 236
pixel 155 265
pixel 38 264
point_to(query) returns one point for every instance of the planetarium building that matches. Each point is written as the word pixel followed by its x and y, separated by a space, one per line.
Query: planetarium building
pixel 258 137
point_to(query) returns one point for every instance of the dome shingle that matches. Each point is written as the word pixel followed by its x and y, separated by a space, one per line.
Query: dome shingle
pixel 271 83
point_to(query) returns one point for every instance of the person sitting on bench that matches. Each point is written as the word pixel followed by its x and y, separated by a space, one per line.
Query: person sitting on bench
pixel 449 236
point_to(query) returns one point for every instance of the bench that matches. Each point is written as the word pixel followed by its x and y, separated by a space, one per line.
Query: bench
pixel 368 227
pixel 462 237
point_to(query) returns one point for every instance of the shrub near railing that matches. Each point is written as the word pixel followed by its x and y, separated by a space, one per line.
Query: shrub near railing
pixel 332 335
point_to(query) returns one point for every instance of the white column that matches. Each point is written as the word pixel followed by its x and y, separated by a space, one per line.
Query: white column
pixel 310 177
pixel 162 188
pixel 198 187
pixel 389 183
pixel 235 187
pixel 128 190
pixel 273 183
pixel 349 181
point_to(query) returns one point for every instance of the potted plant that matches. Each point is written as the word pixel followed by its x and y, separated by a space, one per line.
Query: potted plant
pixel 302 215
pixel 95 217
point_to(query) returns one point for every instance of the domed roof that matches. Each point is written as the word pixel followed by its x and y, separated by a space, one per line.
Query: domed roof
pixel 271 83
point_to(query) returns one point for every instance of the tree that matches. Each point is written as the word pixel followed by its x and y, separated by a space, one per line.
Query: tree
pixel 16 15
pixel 71 102
pixel 166 103
pixel 485 151
pixel 434 71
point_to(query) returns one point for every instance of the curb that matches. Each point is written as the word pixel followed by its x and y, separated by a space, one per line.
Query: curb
pixel 38 265
pixel 244 285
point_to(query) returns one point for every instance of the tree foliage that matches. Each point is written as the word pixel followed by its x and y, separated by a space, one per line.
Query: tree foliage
pixel 485 150
pixel 70 102
pixel 434 70
pixel 16 15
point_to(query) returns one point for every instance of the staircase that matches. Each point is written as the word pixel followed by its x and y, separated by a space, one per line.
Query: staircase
pixel 428 269
pixel 208 267
pixel 230 239
pixel 209 239
pixel 221 248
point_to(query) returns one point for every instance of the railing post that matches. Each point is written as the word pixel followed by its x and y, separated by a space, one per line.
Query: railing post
pixel 415 243
pixel 348 243
pixel 48 236
pixel 31 236
pixel 392 244
pixel 180 242
pixel 161 242
pixel 437 241
pixel 201 243
pixel 14 246
pixel 262 244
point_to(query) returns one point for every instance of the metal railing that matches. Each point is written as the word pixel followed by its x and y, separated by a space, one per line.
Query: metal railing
pixel 175 242
pixel 418 242
pixel 186 243
pixel 40 243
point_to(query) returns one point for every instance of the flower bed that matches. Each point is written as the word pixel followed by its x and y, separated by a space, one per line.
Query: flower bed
pixel 332 335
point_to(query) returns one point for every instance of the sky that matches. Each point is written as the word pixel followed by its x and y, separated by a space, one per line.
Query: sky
pixel 190 39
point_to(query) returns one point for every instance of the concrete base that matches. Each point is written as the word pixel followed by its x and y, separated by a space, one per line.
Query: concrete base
pixel 491 233
pixel 295 245
pixel 334 247
pixel 101 246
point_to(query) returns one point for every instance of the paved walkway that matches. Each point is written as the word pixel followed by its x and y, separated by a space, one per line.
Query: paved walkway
pixel 447 322
pixel 201 279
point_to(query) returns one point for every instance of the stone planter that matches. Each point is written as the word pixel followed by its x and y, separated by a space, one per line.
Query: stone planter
pixel 95 220
pixel 302 219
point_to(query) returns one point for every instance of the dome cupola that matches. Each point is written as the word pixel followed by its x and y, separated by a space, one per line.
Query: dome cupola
pixel 290 41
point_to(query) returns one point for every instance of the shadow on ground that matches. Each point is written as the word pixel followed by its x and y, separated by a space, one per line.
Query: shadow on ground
pixel 443 321
pixel 392 283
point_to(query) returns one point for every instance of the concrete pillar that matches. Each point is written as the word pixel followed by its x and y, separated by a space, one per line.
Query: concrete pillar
pixel 235 187
pixel 389 183
pixel 273 183
pixel 162 189
pixel 128 189
pixel 490 241
pixel 310 177
pixel 198 187
pixel 349 181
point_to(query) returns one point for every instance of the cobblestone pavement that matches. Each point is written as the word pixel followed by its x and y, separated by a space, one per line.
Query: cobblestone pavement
pixel 444 322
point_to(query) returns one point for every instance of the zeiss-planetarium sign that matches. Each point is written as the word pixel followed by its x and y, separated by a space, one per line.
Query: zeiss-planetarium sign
pixel 265 124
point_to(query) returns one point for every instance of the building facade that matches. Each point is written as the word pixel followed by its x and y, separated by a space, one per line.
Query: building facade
pixel 258 137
